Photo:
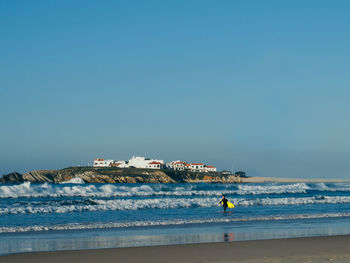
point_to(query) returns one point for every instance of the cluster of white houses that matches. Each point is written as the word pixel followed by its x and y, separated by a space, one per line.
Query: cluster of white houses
pixel 193 167
pixel 147 163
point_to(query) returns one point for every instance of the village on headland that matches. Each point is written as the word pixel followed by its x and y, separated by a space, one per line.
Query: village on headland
pixel 148 163
pixel 136 170
pixel 145 170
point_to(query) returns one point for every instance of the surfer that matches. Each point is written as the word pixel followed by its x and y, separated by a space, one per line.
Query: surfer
pixel 224 202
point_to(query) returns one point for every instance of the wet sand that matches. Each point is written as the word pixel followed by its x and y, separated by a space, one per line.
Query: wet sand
pixel 310 249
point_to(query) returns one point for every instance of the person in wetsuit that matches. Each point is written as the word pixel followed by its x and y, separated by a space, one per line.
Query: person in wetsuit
pixel 224 202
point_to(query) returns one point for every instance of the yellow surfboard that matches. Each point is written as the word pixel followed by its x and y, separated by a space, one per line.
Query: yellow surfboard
pixel 230 205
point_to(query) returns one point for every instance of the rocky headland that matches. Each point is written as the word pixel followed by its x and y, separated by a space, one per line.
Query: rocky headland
pixel 117 175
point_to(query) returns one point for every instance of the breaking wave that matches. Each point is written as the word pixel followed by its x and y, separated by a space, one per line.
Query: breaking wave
pixel 75 180
pixel 28 190
pixel 86 226
pixel 71 206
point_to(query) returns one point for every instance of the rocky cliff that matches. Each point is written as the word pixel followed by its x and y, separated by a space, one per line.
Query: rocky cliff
pixel 116 175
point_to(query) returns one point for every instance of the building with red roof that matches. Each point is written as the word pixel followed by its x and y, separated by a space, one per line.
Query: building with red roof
pixel 209 168
pixel 197 167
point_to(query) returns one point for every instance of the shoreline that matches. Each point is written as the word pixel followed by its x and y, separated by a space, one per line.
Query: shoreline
pixel 158 176
pixel 292 250
pixel 290 180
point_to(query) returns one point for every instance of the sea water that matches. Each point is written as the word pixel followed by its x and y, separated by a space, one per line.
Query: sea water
pixel 47 217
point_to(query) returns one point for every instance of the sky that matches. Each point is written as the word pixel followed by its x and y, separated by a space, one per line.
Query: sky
pixel 259 86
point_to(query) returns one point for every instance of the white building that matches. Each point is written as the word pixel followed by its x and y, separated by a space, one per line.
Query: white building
pixel 197 167
pixel 187 166
pixel 209 168
pixel 123 165
pixel 154 165
pixel 146 163
pixel 120 164
pixel 100 162
pixel 176 165
pixel 193 167
pixel 142 162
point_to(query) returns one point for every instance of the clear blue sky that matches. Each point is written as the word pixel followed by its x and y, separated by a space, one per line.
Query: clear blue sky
pixel 262 86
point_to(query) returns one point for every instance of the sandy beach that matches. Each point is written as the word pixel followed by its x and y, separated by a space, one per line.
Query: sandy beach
pixel 308 249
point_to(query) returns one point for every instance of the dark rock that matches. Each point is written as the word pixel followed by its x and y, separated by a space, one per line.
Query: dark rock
pixel 12 178
pixel 117 175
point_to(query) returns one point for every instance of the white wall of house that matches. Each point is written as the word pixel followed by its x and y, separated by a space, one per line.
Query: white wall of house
pixel 209 168
pixel 187 166
pixel 138 162
pixel 197 167
pixel 146 163
pixel 142 162
pixel 176 165
pixel 179 166
pixel 122 164
pixel 108 163
pixel 100 162
pixel 154 165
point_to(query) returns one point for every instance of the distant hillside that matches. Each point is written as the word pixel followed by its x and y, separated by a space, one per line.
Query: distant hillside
pixel 117 175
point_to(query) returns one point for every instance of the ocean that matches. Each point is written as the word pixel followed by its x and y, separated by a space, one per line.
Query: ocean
pixel 50 217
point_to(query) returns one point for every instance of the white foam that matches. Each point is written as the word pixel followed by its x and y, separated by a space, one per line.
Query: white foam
pixel 106 190
pixel 246 189
pixel 294 201
pixel 85 226
pixel 75 180
pixel 332 187
pixel 28 190
pixel 108 205
pixel 159 203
